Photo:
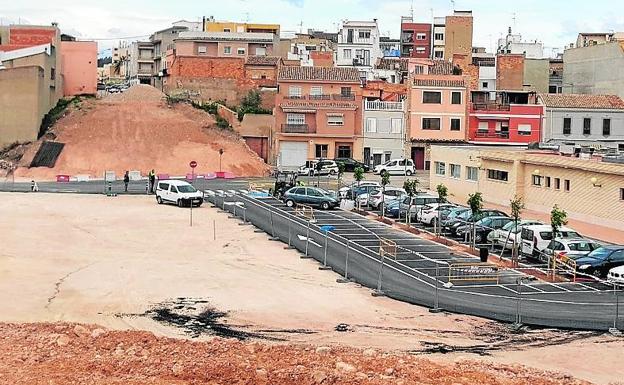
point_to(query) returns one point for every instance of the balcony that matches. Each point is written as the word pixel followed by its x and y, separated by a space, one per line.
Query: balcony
pixel 376 105
pixel 320 97
pixel 342 97
pixel 490 107
pixel 492 135
pixel 295 128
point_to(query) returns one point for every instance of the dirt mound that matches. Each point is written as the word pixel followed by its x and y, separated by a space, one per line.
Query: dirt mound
pixel 76 354
pixel 138 130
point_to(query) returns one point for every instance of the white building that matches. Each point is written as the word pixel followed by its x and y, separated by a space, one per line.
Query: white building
pixel 439 37
pixel 384 131
pixel 191 25
pixel 513 44
pixel 358 45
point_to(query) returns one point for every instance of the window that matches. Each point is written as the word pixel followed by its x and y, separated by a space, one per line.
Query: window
pixel 346 54
pixel 431 123
pixel 344 151
pixel 173 189
pixel 622 194
pixel 345 91
pixel 421 50
pixel 438 36
pixel 567 126
pixel 524 129
pixel 321 150
pixel 261 51
pixel 566 185
pixel 547 182
pixel 455 171
pixel 364 34
pixel 439 54
pixel 295 118
pixel 440 168
pixel 537 180
pixel 240 51
pixel 502 176
pixel 335 120
pixel 455 124
pixel 396 125
pixel 316 91
pixel 552 89
pixel 421 36
pixel 606 127
pixel 431 97
pixel 371 125
pixel 557 184
pixel 483 127
pixel 456 98
pixel 419 70
pixel 586 126
pixel 227 30
pixel 227 50
pixel 472 173
pixel 294 91
pixel 202 49
pixel 52 73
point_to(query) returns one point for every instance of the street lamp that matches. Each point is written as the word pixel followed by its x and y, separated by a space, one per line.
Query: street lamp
pixel 595 183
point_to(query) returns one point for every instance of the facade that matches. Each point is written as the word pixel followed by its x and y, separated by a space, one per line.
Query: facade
pixel 590 70
pixel 163 41
pixel 513 44
pixel 233 27
pixel 593 38
pixel 513 118
pixel 141 62
pixel 358 45
pixel 318 114
pixel 595 121
pixel 510 72
pixel 415 39
pixel 303 47
pixel 437 107
pixel 486 64
pixel 225 44
pixel 537 75
pixel 458 30
pixel 439 34
pixel 384 131
pixel 555 77
pixel 390 47
pixel 79 63
pixel 588 190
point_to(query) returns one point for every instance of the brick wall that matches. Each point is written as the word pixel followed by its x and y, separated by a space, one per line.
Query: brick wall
pixel 385 91
pixel 509 72
pixel 28 37
pixel 322 59
pixel 458 36
pixel 470 71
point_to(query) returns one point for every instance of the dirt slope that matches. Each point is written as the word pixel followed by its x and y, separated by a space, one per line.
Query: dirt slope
pixel 137 130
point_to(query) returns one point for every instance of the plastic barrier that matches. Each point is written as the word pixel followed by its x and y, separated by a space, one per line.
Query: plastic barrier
pixel 473 272
pixel 62 178
pixel 162 176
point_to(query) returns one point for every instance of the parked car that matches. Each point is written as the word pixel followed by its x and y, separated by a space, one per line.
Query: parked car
pixel 396 167
pixel 351 164
pixel 573 248
pixel 452 215
pixel 311 168
pixel 376 198
pixel 600 261
pixel 505 237
pixel 344 191
pixel 114 90
pixel 418 202
pixel 362 190
pixel 483 227
pixel 616 275
pixel 311 196
pixel 430 213
pixel 534 239
pixel 466 217
pixel 393 209
pixel 178 192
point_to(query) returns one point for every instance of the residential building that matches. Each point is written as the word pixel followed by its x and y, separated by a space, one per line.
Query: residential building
pixel 437 106
pixel 555 78
pixel 302 46
pixel 415 38
pixel 595 121
pixel 262 70
pixel 358 45
pixel 439 38
pixel 390 47
pixel 589 190
pixel 120 65
pixel 190 25
pixel 79 63
pixel 513 44
pixel 536 75
pixel 510 72
pixel 458 31
pixel 591 69
pixel 318 114
pixel 587 39
pixel 486 64
pixel 512 118
pixel 211 25
pixel 225 44
pixel 141 62
pixel 163 41
pixel 391 70
pixel 384 131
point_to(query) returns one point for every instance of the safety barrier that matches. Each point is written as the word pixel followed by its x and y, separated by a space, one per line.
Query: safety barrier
pixel 473 272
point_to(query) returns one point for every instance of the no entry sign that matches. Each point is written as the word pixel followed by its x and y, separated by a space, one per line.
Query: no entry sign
pixel 193 164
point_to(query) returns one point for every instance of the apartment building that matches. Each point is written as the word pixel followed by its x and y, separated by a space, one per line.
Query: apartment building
pixel 594 121
pixel 163 41
pixel 384 131
pixel 318 114
pixel 591 69
pixel 304 47
pixel 439 38
pixel 555 76
pixel 590 190
pixel 512 118
pixel 358 45
pixel 141 62
pixel 211 25
pixel 225 44
pixel 458 32
pixel 390 47
pixel 415 38
pixel 587 39
pixel 513 44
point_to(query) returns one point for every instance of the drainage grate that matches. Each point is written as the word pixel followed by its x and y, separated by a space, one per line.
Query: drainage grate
pixel 47 155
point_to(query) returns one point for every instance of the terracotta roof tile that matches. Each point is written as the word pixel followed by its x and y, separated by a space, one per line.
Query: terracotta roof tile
pixel 439 83
pixel 607 102
pixel 441 67
pixel 329 74
pixel 263 60
pixel 393 64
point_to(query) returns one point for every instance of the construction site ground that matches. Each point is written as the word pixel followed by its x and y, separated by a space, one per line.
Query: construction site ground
pixel 133 268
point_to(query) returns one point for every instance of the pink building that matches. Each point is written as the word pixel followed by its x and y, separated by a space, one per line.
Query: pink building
pixel 79 63
pixel 225 44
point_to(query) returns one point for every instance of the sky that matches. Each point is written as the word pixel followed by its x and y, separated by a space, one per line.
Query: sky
pixel 554 22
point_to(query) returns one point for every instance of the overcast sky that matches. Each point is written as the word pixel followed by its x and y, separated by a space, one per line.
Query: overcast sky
pixel 555 22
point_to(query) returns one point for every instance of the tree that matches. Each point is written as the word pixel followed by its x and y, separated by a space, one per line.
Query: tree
pixel 251 104
pixel 341 171
pixel 358 175
pixel 558 219
pixel 517 205
pixel 385 180
pixel 442 195
pixel 475 202
pixel 411 189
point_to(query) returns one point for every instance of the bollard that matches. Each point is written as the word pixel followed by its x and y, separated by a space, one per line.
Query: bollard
pixel 346 274
pixel 615 330
pixel 307 241
pixel 110 188
pixel 518 322
pixel 436 302
pixel 325 267
pixel 191 212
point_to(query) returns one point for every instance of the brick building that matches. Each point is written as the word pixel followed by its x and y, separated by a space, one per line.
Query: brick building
pixel 510 72
pixel 415 39
pixel 458 31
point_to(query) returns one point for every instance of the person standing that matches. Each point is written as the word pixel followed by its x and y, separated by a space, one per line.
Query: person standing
pixel 126 181
pixel 152 181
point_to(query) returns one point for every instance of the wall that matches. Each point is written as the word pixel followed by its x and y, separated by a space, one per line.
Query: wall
pixel 518 114
pixel 510 72
pixel 322 59
pixel 537 74
pixel 414 29
pixel 384 140
pixel 596 70
pixel 553 127
pixel 79 67
pixel 23 104
pixel 458 36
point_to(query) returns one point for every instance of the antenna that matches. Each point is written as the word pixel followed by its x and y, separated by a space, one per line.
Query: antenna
pixel 300 26
pixel 514 21
pixel 453 5
pixel 412 10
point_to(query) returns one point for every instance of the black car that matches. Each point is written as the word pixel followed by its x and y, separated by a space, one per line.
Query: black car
pixel 351 164
pixel 600 261
pixel 483 227
pixel 468 218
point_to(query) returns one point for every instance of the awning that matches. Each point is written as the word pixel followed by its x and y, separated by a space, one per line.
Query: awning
pixel 298 110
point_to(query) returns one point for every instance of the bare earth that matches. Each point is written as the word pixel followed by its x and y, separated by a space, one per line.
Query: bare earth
pixel 126 263
pixel 137 130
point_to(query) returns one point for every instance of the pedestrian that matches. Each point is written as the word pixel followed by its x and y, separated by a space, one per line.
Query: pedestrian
pixel 34 187
pixel 126 181
pixel 152 181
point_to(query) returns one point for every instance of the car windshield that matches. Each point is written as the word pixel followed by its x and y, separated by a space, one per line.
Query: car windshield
pixel 456 213
pixel 465 215
pixel 186 189
pixel 600 254
pixel 581 246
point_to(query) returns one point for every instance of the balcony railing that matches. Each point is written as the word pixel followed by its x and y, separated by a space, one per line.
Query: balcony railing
pixel 492 135
pixel 375 105
pixel 343 97
pixel 295 128
pixel 321 97
pixel 490 107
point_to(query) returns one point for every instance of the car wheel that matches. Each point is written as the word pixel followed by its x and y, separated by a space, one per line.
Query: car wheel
pixel 408 173
pixel 325 206
pixel 180 203
pixel 332 172
pixel 433 221
pixel 159 200
pixel 478 238
pixel 290 203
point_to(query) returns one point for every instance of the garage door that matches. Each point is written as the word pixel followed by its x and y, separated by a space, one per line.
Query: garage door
pixel 293 154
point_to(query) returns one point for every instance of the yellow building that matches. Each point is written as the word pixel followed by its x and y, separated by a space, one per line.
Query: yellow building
pixel 590 190
pixel 227 26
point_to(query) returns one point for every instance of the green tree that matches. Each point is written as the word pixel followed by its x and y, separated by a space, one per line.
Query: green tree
pixel 442 195
pixel 385 180
pixel 251 104
pixel 475 202
pixel 517 205
pixel 341 171
pixel 558 219
pixel 411 189
pixel 358 175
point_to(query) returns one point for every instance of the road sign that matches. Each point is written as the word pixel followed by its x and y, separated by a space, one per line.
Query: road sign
pixel 193 164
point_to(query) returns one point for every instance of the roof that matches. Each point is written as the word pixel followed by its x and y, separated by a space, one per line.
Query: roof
pixel 226 36
pixel 388 63
pixel 327 74
pixel 439 83
pixel 441 67
pixel 604 102
pixel 254 60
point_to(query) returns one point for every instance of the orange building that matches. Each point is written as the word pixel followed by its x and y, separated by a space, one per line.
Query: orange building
pixel 318 114
pixel 79 63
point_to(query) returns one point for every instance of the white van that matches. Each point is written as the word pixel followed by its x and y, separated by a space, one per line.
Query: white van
pixel 396 167
pixel 179 192
pixel 536 238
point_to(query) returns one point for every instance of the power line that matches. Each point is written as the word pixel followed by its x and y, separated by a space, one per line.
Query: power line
pixel 112 38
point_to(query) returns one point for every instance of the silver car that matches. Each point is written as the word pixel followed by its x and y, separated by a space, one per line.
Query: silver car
pixel 571 247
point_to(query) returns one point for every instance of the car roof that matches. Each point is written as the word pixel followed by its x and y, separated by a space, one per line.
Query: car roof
pixel 547 228
pixel 574 240
pixel 614 247
pixel 176 182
